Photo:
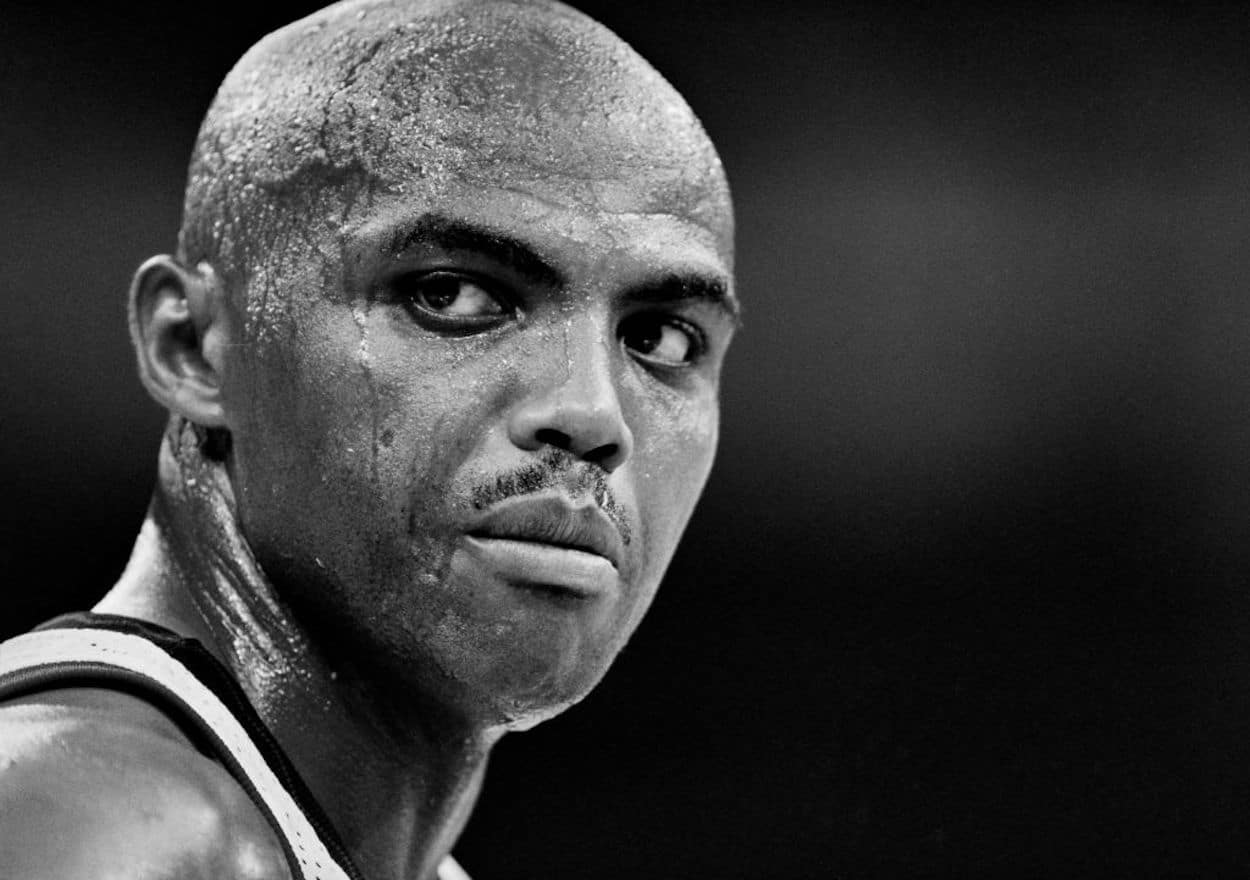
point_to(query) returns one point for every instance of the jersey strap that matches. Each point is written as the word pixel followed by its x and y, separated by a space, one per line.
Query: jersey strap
pixel 59 657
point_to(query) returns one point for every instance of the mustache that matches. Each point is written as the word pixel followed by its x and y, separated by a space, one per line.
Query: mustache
pixel 555 469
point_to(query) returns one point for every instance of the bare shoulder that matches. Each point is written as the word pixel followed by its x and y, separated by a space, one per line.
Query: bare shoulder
pixel 95 783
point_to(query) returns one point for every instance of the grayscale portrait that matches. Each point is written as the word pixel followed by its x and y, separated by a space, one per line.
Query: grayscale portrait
pixel 514 438
pixel 440 344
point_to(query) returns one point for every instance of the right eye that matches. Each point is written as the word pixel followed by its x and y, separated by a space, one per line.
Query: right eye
pixel 450 300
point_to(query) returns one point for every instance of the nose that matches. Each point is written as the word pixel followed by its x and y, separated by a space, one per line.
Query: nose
pixel 573 405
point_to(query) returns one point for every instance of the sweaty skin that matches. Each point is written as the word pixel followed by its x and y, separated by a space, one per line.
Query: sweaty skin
pixel 440 261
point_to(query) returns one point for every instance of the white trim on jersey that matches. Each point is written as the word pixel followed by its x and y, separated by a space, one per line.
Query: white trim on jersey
pixel 138 655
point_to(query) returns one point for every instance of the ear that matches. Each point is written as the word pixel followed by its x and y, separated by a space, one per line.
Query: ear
pixel 178 328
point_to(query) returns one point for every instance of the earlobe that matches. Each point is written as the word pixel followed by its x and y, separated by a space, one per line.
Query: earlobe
pixel 176 319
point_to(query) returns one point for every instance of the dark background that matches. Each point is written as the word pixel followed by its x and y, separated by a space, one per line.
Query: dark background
pixel 965 596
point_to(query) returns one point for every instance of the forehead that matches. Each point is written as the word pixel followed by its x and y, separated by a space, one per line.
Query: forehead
pixel 518 92
pixel 443 98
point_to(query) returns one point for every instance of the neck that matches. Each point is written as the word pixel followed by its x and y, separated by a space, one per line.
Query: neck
pixel 398 793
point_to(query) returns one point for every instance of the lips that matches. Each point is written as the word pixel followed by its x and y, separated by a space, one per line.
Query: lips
pixel 553 521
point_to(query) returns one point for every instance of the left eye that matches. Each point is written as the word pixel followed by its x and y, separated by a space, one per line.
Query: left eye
pixel 451 296
pixel 661 339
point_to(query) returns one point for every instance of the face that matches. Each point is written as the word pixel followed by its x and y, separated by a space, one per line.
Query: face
pixel 467 451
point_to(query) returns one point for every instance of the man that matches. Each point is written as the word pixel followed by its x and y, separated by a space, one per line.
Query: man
pixel 440 346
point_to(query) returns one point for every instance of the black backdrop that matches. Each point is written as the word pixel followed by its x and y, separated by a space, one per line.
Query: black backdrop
pixel 965 595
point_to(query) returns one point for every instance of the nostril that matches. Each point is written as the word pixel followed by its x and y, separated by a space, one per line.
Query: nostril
pixel 552 437
pixel 601 455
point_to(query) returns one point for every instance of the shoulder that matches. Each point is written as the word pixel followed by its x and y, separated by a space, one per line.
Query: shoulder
pixel 97 783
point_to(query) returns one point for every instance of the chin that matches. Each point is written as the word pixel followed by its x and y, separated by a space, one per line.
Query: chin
pixel 530 710
pixel 528 694
pixel 516 658
pixel 527 719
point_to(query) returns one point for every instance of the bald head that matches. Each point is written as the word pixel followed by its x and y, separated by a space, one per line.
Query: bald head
pixel 369 99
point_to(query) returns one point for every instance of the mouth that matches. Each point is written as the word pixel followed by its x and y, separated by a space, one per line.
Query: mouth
pixel 547 543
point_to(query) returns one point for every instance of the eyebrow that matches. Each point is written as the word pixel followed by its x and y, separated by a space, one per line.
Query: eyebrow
pixel 439 230
pixel 679 287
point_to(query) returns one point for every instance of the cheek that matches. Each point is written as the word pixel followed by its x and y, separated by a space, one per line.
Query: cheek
pixel 347 444
pixel 675 438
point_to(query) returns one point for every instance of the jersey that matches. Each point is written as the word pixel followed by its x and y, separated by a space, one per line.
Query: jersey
pixel 179 676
